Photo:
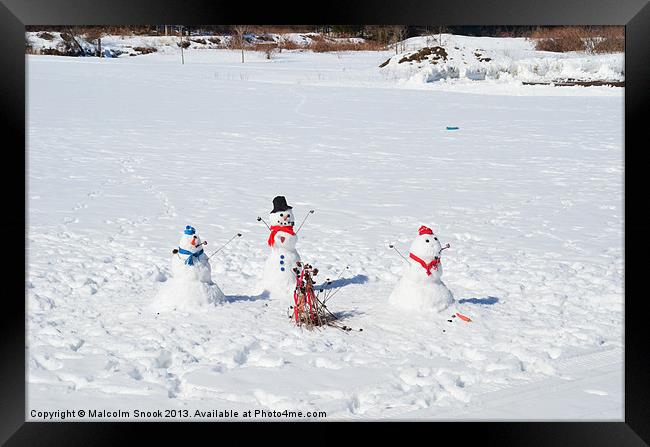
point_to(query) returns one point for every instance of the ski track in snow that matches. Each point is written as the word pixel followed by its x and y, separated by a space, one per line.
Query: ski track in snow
pixel 123 154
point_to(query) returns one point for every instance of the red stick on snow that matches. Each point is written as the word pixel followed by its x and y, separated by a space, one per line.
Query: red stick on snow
pixel 311 309
pixel 463 317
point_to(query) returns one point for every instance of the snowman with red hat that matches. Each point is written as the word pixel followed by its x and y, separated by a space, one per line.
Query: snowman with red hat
pixel 279 280
pixel 420 287
pixel 191 285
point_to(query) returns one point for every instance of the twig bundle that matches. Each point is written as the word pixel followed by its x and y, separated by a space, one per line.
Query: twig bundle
pixel 309 309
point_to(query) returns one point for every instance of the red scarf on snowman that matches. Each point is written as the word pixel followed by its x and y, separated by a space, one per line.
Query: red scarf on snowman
pixel 275 229
pixel 431 265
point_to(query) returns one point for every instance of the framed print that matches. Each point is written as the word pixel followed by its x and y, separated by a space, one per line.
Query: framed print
pixel 414 214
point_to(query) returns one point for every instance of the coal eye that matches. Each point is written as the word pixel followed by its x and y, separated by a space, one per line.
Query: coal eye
pixel 281 215
pixel 435 238
pixel 427 241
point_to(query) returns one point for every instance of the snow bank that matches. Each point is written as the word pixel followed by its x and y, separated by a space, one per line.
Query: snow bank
pixel 449 57
pixel 56 43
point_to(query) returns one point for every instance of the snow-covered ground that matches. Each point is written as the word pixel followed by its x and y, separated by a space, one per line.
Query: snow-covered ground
pixel 123 153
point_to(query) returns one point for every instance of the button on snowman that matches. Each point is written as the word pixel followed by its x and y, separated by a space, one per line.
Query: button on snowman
pixel 279 280
pixel 420 287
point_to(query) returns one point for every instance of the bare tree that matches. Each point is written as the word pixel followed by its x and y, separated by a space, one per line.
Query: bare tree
pixel 73 32
pixel 398 35
pixel 441 29
pixel 382 35
pixel 180 34
pixel 94 34
pixel 268 45
pixel 240 31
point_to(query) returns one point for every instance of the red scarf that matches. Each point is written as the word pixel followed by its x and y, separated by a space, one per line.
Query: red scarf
pixel 274 231
pixel 432 265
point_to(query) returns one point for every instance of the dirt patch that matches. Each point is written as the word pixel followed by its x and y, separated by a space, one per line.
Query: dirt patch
pixel 215 40
pixel 384 64
pixel 480 57
pixel 433 54
pixel 46 36
pixel 53 52
pixel 185 44
pixel 573 82
pixel 265 38
pixel 145 50
pixel 66 49
pixel 199 41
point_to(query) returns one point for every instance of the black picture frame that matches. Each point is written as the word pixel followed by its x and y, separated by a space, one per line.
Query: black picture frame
pixel 15 14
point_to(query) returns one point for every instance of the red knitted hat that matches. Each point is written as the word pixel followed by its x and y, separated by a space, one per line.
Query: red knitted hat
pixel 425 230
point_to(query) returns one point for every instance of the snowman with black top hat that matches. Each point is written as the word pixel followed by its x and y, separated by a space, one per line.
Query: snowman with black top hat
pixel 279 280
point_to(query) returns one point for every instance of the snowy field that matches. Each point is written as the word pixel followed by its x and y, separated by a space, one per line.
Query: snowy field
pixel 123 153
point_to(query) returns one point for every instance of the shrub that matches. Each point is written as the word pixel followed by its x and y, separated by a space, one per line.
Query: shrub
pixel 290 45
pixel 612 40
pixel 321 45
pixel 266 48
pixel 605 39
pixel 561 39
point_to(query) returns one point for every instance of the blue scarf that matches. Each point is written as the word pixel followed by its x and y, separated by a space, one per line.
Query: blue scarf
pixel 190 258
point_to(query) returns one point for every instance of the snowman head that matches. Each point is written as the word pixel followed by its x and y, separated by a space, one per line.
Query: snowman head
pixel 281 215
pixel 282 218
pixel 426 245
pixel 190 241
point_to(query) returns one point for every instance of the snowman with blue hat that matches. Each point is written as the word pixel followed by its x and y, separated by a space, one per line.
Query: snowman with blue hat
pixel 191 285
pixel 190 254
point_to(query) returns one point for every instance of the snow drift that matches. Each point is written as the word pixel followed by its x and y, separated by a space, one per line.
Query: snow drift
pixel 450 57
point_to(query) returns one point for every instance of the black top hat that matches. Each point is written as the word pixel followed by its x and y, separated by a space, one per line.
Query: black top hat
pixel 280 204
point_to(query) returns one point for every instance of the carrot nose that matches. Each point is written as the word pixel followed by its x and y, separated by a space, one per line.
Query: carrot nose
pixel 193 242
